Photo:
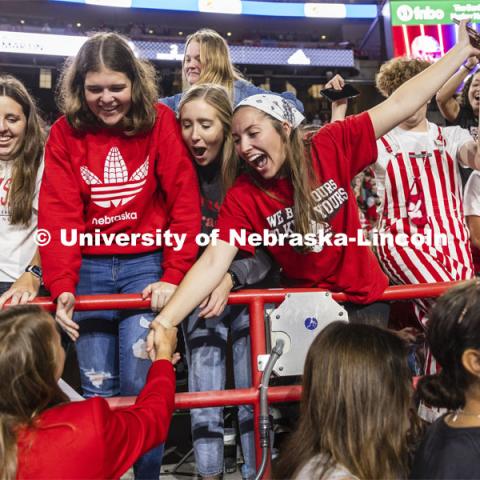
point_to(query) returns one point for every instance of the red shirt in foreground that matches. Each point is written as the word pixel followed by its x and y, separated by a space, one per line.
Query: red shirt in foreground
pixel 88 440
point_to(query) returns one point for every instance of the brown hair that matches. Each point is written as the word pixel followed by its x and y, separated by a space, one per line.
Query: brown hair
pixel 453 327
pixel 217 66
pixel 396 72
pixel 356 405
pixel 27 369
pixel 217 97
pixel 108 50
pixel 298 166
pixel 28 156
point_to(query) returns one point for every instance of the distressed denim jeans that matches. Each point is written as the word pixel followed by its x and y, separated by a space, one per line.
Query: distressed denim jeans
pixel 206 341
pixel 111 347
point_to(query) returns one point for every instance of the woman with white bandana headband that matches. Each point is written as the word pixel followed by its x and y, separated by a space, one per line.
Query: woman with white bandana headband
pixel 288 191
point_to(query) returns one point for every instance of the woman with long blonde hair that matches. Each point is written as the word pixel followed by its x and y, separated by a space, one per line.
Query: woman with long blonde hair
pixel 207 60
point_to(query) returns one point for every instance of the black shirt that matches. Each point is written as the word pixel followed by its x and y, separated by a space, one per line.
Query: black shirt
pixel 448 453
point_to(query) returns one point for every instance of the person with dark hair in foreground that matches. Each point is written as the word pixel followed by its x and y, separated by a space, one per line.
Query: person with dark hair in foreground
pixel 451 447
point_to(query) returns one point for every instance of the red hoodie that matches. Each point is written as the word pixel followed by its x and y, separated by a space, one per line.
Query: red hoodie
pixel 105 182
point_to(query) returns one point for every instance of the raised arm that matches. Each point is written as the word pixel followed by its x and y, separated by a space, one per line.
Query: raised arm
pixel 445 97
pixel 339 108
pixel 407 99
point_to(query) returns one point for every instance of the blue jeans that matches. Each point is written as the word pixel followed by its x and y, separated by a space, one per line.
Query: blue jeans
pixel 111 347
pixel 206 342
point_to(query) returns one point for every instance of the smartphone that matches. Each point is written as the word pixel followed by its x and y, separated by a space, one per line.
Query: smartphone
pixel 346 92
pixel 473 34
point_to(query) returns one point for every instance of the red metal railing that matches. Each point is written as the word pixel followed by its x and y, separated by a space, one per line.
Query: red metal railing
pixel 256 300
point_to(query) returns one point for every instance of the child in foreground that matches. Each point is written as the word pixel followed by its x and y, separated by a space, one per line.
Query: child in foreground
pixel 451 447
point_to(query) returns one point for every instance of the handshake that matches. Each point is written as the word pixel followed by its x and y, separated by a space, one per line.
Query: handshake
pixel 162 342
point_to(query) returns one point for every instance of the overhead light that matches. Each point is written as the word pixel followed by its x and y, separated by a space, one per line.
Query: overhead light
pixel 220 6
pixel 150 32
pixel 180 33
pixel 229 34
pixel 22 22
pixel 325 10
pixel 110 3
pixel 79 24
pixel 323 37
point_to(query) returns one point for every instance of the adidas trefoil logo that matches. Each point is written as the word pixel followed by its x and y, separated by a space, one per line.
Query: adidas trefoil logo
pixel 117 188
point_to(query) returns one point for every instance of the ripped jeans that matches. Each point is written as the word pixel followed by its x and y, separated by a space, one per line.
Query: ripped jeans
pixel 206 343
pixel 111 347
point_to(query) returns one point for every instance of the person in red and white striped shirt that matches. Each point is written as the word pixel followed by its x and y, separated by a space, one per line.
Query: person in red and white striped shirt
pixel 419 184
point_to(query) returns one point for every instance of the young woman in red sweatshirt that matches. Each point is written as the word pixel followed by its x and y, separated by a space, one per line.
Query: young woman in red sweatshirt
pixel 286 192
pixel 43 435
pixel 118 181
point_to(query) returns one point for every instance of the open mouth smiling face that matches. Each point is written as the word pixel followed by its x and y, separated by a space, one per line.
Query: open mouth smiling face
pixel 202 131
pixel 257 142
pixel 13 124
pixel 108 94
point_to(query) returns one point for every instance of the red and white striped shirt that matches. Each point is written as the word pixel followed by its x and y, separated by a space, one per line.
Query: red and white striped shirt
pixel 423 166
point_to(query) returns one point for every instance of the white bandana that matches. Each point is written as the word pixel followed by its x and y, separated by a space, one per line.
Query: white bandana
pixel 274 105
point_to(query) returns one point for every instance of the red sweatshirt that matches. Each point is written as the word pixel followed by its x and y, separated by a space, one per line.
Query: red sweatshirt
pixel 107 183
pixel 340 150
pixel 88 440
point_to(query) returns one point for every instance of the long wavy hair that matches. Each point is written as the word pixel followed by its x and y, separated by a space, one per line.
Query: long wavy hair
pixel 215 58
pixel 464 102
pixel 453 327
pixel 28 363
pixel 112 51
pixel 297 166
pixel 356 406
pixel 27 156
pixel 217 97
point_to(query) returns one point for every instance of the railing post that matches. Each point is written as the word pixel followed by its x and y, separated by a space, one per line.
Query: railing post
pixel 258 346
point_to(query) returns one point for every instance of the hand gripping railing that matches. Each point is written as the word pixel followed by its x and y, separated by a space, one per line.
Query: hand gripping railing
pixel 256 300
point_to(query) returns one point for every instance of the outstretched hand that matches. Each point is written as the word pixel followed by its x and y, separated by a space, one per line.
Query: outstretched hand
pixel 64 315
pixel 472 40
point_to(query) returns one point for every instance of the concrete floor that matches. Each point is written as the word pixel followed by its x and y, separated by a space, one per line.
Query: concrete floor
pixel 185 472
